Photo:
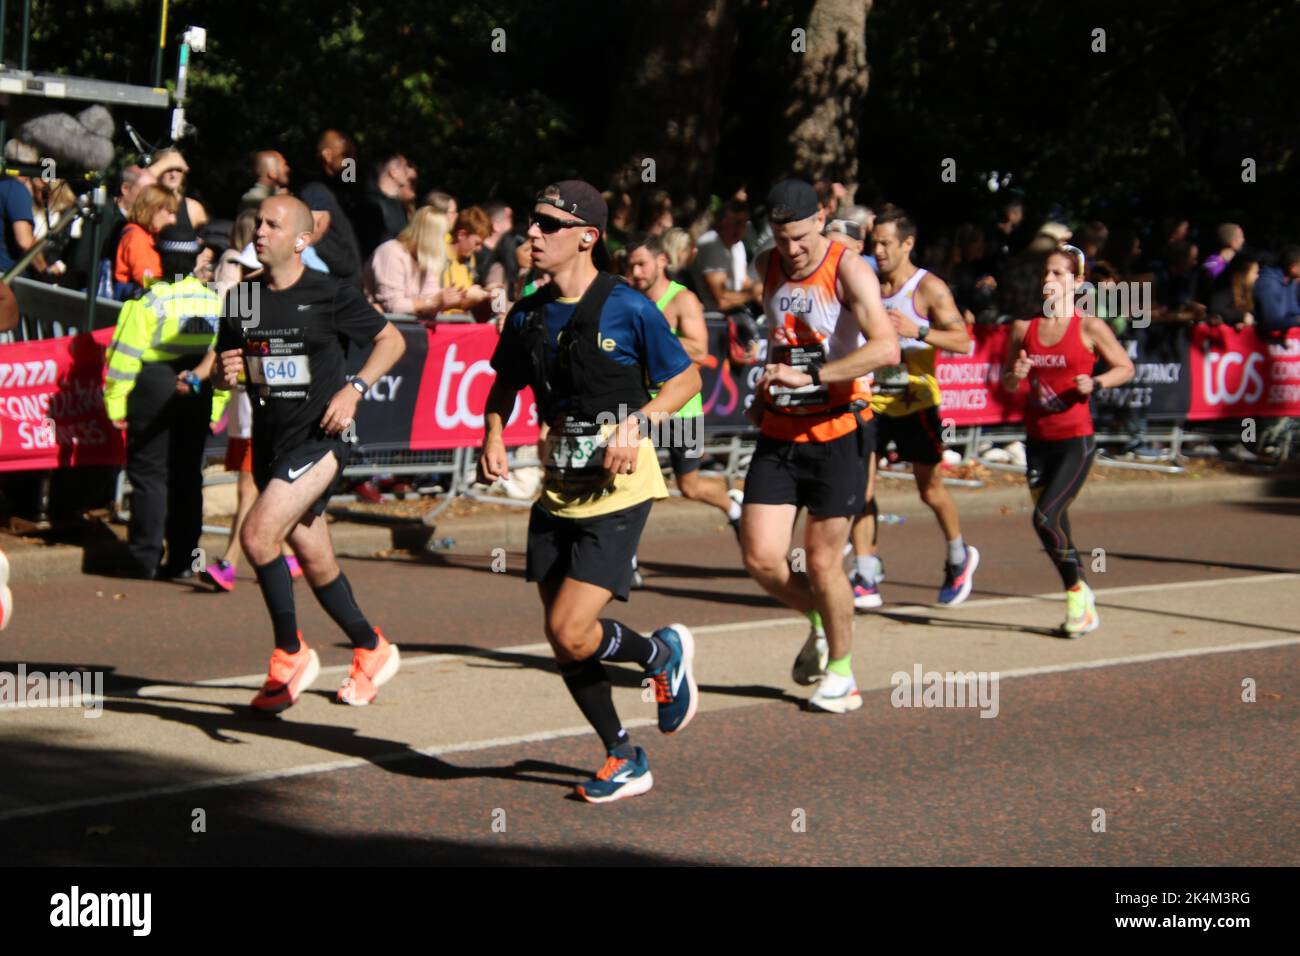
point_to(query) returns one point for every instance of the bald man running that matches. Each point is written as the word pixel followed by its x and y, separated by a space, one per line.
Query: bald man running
pixel 291 345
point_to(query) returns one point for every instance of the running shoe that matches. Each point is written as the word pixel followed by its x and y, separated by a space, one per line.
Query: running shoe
pixel 370 671
pixel 620 777
pixel 220 575
pixel 958 578
pixel 638 582
pixel 288 677
pixel 836 695
pixel 811 663
pixel 675 687
pixel 738 496
pixel 1080 611
pixel 865 596
pixel 295 569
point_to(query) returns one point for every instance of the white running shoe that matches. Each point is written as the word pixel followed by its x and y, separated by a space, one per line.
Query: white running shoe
pixel 836 695
pixel 812 660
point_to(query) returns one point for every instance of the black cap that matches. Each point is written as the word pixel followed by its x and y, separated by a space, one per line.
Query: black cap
pixel 579 199
pixel 791 200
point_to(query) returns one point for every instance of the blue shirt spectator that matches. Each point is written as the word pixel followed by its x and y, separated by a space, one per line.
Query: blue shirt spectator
pixel 15 206
pixel 1277 305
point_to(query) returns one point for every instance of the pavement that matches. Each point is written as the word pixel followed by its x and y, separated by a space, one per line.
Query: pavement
pixel 1168 737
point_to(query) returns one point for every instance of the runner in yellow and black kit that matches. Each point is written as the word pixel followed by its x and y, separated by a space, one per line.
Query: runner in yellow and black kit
pixel 591 349
pixel 647 270
pixel 905 401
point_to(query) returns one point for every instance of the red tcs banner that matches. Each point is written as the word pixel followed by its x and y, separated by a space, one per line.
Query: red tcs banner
pixel 52 405
pixel 972 392
pixel 454 388
pixel 1236 374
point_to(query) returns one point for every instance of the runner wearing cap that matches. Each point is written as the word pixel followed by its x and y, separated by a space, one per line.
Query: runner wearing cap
pixel 1057 352
pixel 291 345
pixel 906 400
pixel 815 427
pixel 647 269
pixel 591 347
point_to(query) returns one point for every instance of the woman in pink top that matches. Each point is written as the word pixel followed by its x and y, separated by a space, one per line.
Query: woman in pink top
pixel 404 274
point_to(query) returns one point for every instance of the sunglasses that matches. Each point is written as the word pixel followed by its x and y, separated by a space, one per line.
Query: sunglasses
pixel 550 225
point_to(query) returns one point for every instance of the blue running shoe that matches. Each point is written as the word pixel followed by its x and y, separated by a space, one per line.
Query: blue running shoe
pixel 620 777
pixel 958 579
pixel 675 688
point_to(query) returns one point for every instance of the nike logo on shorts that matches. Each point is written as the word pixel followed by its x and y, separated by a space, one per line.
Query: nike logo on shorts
pixel 296 473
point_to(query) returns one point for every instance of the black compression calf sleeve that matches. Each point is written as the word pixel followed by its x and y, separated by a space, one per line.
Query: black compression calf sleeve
pixel 589 685
pixel 620 643
pixel 277 592
pixel 340 604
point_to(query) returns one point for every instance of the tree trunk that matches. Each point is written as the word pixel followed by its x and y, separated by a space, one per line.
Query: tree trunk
pixel 830 81
pixel 665 128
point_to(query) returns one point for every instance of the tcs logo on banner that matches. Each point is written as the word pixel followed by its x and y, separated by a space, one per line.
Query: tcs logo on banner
pixel 1231 378
pixel 458 404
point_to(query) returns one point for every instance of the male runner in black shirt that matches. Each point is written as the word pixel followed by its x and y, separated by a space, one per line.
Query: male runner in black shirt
pixel 291 345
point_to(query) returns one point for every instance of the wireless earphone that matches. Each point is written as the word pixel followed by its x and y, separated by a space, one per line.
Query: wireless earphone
pixel 298 245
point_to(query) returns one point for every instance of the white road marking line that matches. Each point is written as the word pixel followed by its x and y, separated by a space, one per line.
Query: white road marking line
pixel 474 745
pixel 255 680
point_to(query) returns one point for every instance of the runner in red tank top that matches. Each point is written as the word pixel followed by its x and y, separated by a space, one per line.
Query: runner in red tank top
pixel 1056 355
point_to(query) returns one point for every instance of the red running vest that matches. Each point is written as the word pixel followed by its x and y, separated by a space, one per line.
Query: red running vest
pixel 1055 409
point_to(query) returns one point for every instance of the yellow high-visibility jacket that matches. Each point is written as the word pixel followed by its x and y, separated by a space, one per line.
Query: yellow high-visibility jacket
pixel 170 321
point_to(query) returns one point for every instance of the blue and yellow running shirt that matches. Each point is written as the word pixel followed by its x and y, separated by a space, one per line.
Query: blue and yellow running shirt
pixel 632 332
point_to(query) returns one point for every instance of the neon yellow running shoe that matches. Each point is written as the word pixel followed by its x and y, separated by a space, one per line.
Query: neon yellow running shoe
pixel 1080 611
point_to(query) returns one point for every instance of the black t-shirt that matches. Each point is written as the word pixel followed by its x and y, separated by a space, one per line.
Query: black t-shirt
pixel 294 357
pixel 712 257
pixel 338 247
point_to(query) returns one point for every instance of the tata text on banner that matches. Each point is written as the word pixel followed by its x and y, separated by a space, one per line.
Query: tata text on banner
pixel 52 405
pixel 972 393
pixel 456 379
pixel 1236 374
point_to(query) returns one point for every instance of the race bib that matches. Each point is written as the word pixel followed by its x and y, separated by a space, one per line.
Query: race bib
pixel 892 379
pixel 575 452
pixel 278 370
pixel 802 357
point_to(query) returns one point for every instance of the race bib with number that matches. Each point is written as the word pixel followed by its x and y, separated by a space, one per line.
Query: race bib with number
pixel 892 379
pixel 575 452
pixel 276 370
pixel 801 357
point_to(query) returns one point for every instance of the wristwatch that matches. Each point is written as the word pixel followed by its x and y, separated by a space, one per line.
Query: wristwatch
pixel 356 382
pixel 922 331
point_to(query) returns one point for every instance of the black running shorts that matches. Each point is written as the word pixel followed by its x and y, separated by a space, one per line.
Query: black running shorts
pixel 596 550
pixel 917 436
pixel 827 478
pixel 297 461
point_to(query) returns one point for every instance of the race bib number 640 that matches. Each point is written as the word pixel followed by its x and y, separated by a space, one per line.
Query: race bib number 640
pixel 279 370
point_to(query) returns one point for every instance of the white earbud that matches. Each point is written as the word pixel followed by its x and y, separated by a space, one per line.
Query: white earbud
pixel 298 245
pixel 588 239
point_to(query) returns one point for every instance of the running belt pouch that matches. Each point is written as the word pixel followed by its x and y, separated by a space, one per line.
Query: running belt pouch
pixel 802 357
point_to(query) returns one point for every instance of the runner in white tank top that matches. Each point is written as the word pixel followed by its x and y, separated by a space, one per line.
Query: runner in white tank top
pixel 906 404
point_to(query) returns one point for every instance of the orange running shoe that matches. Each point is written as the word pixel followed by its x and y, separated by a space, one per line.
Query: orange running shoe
pixel 370 670
pixel 289 676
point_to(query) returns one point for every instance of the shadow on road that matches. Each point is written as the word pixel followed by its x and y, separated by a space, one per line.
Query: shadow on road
pixel 1202 562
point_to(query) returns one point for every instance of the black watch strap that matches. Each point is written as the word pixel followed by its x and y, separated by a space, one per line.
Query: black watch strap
pixel 359 384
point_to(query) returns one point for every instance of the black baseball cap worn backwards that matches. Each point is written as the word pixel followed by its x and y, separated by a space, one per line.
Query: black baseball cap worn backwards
pixel 791 200
pixel 579 199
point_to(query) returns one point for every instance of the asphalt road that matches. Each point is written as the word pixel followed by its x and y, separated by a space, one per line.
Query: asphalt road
pixel 470 754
